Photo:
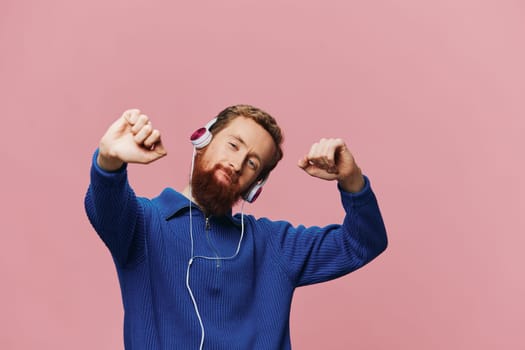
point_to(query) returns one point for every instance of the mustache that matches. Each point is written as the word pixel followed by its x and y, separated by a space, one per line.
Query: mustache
pixel 234 177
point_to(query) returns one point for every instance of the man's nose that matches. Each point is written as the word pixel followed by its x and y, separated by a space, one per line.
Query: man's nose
pixel 236 163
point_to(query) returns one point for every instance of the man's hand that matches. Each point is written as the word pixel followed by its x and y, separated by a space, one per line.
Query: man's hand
pixel 130 139
pixel 330 159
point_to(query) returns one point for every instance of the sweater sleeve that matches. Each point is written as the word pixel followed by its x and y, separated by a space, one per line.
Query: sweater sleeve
pixel 316 254
pixel 115 213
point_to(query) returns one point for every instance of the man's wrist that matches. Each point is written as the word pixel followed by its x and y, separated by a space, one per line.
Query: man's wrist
pixel 353 183
pixel 108 163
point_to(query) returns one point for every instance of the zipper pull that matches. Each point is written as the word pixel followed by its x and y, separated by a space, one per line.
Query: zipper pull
pixel 207 223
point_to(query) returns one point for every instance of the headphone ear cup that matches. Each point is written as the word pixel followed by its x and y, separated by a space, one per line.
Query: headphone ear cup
pixel 254 191
pixel 201 138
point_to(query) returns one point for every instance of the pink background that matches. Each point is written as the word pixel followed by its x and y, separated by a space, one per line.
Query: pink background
pixel 428 95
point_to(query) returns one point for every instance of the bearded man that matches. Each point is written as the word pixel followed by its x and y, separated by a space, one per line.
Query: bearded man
pixel 193 275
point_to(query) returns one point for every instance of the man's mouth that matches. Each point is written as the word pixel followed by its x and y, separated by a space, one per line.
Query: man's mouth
pixel 226 175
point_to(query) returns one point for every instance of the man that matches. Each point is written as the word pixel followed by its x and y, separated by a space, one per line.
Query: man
pixel 192 275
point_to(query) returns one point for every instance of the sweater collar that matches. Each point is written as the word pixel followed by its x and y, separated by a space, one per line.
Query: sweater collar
pixel 172 203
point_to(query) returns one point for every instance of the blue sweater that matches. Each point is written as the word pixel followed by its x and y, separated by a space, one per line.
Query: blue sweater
pixel 244 302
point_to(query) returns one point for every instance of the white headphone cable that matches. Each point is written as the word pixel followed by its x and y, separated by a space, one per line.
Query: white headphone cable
pixel 192 257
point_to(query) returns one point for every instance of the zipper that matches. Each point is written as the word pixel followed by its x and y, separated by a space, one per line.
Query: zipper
pixel 207 228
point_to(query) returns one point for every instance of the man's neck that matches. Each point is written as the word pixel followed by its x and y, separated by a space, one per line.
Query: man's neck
pixel 187 193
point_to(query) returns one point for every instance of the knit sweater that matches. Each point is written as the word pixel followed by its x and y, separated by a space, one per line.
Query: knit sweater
pixel 244 302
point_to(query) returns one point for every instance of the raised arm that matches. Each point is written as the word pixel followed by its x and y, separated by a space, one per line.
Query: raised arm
pixel 110 203
pixel 317 254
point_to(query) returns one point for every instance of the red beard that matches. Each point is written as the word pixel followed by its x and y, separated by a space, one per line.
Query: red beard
pixel 215 197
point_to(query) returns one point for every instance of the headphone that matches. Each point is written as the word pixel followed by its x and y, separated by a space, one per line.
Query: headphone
pixel 202 137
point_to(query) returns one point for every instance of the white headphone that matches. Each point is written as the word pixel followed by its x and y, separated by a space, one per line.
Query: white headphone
pixel 202 137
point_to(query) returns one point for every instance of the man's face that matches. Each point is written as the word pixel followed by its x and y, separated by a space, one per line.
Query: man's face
pixel 230 164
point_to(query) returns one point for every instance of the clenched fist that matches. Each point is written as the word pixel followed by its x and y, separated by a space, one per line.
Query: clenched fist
pixel 130 139
pixel 330 159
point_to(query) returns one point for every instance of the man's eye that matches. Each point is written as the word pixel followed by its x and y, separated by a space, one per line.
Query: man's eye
pixel 252 164
pixel 232 145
